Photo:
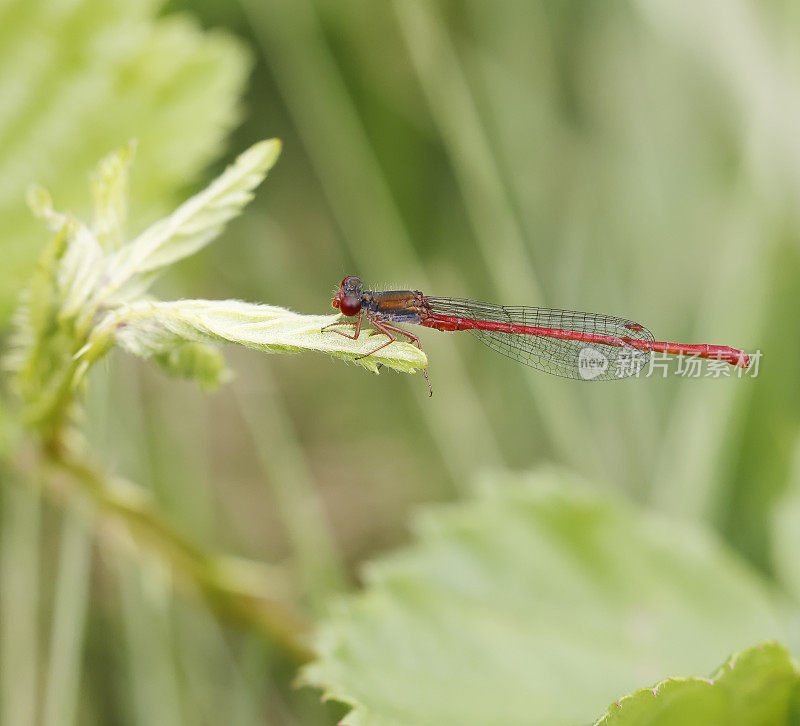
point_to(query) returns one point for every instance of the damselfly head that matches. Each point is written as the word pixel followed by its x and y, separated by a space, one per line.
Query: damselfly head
pixel 348 297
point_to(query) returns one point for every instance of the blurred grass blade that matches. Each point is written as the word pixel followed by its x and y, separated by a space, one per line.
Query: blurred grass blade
pixel 326 114
pixel 491 212
pixel 785 531
pixel 244 591
pixel 146 605
pixel 19 603
pixel 287 471
pixel 62 687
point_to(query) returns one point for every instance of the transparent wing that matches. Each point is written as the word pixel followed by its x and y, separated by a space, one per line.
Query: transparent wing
pixel 588 361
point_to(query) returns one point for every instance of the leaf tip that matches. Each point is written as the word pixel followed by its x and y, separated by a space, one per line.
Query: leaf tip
pixel 268 150
pixel 39 201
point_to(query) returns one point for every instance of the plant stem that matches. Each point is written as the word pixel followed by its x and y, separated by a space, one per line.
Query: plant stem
pixel 244 591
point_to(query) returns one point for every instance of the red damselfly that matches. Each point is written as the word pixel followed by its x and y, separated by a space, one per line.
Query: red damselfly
pixel 585 346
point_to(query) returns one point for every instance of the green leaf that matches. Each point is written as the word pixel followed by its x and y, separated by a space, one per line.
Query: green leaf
pixel 36 332
pixel 154 328
pixel 196 361
pixel 41 204
pixel 65 277
pixel 87 296
pixel 80 269
pixel 192 225
pixel 80 263
pixel 110 196
pixel 758 686
pixel 83 77
pixel 537 603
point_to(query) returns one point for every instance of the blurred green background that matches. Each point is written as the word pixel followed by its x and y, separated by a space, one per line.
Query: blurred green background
pixel 636 158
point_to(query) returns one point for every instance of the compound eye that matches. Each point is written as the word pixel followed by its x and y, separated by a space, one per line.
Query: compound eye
pixel 352 285
pixel 350 305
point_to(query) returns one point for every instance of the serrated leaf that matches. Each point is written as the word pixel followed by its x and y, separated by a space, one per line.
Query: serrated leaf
pixel 153 328
pixel 110 196
pixel 81 262
pixel 758 686
pixel 35 320
pixel 69 316
pixel 537 603
pixel 196 222
pixel 83 77
pixel 80 269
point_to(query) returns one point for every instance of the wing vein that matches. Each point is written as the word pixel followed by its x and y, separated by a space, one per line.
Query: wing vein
pixel 567 358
